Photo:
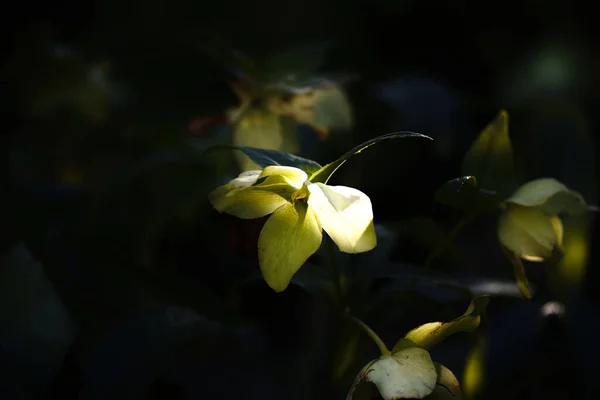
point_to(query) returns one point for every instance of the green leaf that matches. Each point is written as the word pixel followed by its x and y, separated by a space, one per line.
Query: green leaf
pixel 447 386
pixel 265 158
pixel 323 174
pixel 550 197
pixel 406 374
pixel 463 193
pixel 529 233
pixel 430 334
pixel 490 158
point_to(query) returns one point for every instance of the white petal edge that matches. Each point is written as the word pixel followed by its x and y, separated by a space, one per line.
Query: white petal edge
pixel 346 214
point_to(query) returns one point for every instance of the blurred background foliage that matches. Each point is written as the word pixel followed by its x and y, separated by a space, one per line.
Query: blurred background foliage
pixel 118 280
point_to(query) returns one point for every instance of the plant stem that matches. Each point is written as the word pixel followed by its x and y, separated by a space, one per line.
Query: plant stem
pixel 382 347
pixel 443 244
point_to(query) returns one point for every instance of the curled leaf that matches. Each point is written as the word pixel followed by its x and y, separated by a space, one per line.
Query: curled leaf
pixel 429 334
pixel 550 197
pixel 406 374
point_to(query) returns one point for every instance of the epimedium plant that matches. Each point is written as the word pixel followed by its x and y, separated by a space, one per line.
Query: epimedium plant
pixel 294 193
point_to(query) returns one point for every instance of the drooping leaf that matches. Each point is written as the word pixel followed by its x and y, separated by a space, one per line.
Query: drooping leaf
pixel 406 374
pixel 447 386
pixel 549 196
pixel 430 334
pixel 529 233
pixel 490 158
pixel 324 173
pixel 264 158
pixel 464 193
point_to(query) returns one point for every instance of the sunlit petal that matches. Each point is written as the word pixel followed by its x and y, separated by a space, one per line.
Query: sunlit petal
pixel 245 203
pixel 409 374
pixel 346 215
pixel 290 236
pixel 293 176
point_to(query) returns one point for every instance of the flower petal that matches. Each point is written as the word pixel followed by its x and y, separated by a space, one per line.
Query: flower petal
pixel 528 232
pixel 409 374
pixel 246 203
pixel 292 175
pixel 289 237
pixel 346 215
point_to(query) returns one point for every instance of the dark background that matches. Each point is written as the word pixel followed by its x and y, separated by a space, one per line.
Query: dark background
pixel 120 281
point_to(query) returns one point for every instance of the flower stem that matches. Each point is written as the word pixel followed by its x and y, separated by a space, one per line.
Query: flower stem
pixel 382 347
pixel 444 243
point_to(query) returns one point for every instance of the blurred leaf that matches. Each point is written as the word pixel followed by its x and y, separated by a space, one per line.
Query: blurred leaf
pixel 490 158
pixel 571 269
pixel 550 197
pixel 474 372
pixel 430 334
pixel 134 353
pixel 405 374
pixel 447 386
pixel 323 174
pixel 37 329
pixel 529 233
pixel 264 158
pixel 258 128
pixel 463 193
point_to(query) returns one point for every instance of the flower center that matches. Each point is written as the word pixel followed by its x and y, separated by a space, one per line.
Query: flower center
pixel 300 195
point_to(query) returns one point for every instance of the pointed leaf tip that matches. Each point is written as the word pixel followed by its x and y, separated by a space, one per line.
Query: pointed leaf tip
pixel 430 334
pixel 324 173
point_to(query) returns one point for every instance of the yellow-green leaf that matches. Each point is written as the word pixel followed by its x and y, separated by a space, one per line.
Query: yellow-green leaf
pixel 408 374
pixel 290 236
pixel 323 174
pixel 529 233
pixel 549 196
pixel 490 158
pixel 429 334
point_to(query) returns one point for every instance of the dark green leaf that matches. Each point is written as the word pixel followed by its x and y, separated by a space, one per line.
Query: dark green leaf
pixel 265 158
pixel 323 174
pixel 463 193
